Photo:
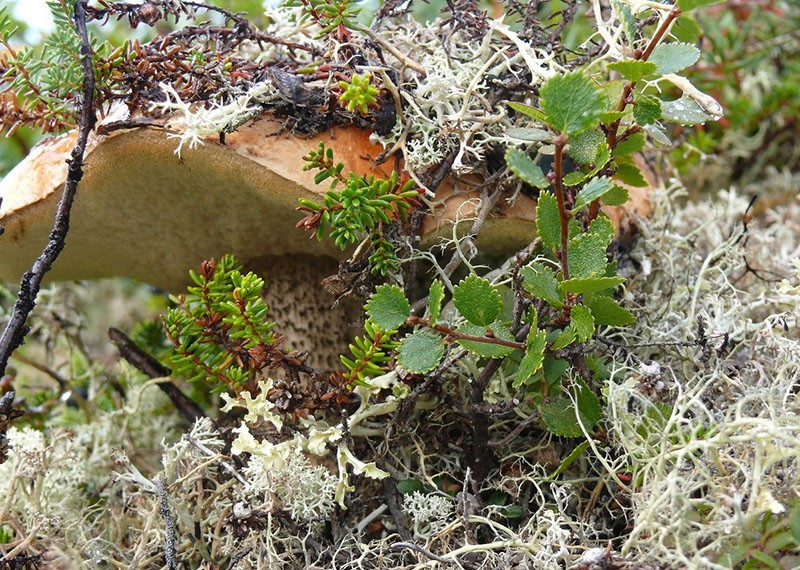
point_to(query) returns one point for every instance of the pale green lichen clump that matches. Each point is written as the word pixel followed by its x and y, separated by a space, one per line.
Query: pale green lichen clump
pixel 712 430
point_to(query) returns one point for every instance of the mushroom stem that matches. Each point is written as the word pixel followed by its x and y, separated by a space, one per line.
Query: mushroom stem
pixel 304 312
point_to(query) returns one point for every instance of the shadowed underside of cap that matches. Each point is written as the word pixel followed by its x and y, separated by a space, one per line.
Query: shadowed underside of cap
pixel 143 212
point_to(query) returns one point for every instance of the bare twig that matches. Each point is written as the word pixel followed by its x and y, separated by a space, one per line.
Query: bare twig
pixel 7 415
pixel 17 329
pixel 154 369
pixel 411 546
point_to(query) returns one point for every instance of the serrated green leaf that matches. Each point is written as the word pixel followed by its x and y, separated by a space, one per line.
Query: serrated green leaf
pixel 617 196
pixel 554 369
pixel 477 300
pixel 633 69
pixel 548 220
pixel 388 307
pixel 595 189
pixel 527 110
pixel 686 5
pixel 563 339
pixel 486 349
pixel 571 103
pixel 610 116
pixel 646 109
pixel 558 415
pixel 574 178
pixel 588 405
pixel 529 134
pixel 685 111
pixel 420 352
pixel 672 57
pixel 600 160
pixel 435 297
pixel 583 322
pixel 534 356
pixel 540 281
pixel 612 91
pixel 524 168
pixel 584 147
pixel 602 229
pixel 631 175
pixel 582 286
pixel 607 311
pixel 633 143
pixel 586 253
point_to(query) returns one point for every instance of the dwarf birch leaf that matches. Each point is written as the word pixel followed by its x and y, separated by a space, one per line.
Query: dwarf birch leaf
pixel 575 178
pixel 633 69
pixel 388 307
pixel 571 103
pixel 633 143
pixel 526 170
pixel 548 220
pixel 583 322
pixel 631 175
pixel 584 147
pixel 420 352
pixel 583 286
pixel 646 110
pixel 553 369
pixel 435 297
pixel 595 189
pixel 602 229
pixel 558 415
pixel 487 349
pixel 586 256
pixel 607 311
pixel 686 5
pixel 540 281
pixel 685 111
pixel 477 300
pixel 534 356
pixel 610 116
pixel 586 252
pixel 588 406
pixel 563 339
pixel 617 196
pixel 672 57
pixel 561 418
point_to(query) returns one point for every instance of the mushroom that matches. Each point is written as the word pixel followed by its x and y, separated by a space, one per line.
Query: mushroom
pixel 143 212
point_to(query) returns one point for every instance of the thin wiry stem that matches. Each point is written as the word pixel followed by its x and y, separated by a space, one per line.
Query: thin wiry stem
pixel 16 330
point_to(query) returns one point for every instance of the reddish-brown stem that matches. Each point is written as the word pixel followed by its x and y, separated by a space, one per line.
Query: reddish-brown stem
pixel 558 166
pixel 629 85
pixel 411 321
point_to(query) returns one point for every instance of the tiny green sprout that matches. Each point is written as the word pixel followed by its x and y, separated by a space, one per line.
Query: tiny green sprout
pixel 359 94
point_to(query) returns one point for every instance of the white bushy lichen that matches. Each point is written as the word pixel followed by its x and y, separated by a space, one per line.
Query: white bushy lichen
pixel 429 512
pixel 198 123
pixel 705 411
